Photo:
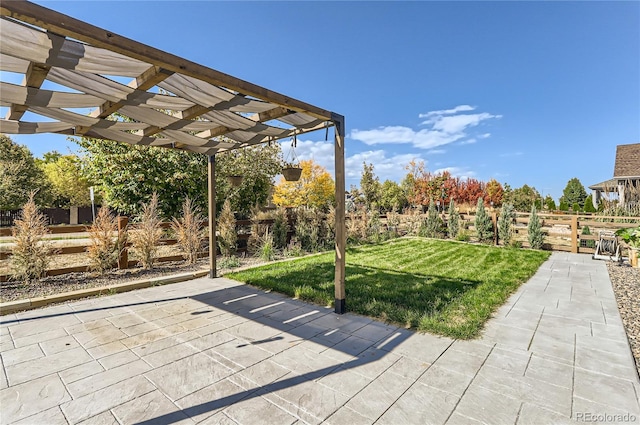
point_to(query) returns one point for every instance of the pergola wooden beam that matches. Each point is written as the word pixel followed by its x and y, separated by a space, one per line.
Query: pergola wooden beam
pixel 144 81
pixel 35 76
pixel 59 23
pixel 341 238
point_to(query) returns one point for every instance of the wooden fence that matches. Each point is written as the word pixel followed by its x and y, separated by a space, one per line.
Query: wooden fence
pixel 79 231
pixel 563 232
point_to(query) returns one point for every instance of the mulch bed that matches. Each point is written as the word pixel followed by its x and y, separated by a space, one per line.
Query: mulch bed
pixel 626 286
pixel 17 290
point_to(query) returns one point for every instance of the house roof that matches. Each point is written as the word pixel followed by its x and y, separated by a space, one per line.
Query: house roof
pixel 69 66
pixel 610 185
pixel 627 161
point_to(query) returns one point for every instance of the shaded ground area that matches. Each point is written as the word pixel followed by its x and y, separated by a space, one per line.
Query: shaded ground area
pixel 12 290
pixel 214 351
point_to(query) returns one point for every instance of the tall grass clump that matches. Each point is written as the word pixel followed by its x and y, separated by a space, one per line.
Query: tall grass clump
pixel 267 251
pixel 105 248
pixel 189 231
pixel 280 228
pixel 484 226
pixel 148 233
pixel 227 236
pixel 505 224
pixel 534 229
pixel 453 224
pixel 30 257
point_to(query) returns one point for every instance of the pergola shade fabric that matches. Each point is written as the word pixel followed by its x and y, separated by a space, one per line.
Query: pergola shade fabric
pixel 181 111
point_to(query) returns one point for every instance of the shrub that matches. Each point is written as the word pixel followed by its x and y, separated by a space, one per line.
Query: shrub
pixel 280 228
pixel 505 224
pixel 576 207
pixel 414 221
pixel 393 222
pixel 534 229
pixel 229 262
pixel 294 249
pixel 310 227
pixel 588 205
pixel 374 226
pixel 587 243
pixel 432 226
pixel 329 228
pixel 30 257
pixel 357 225
pixel 484 226
pixel 227 236
pixel 258 229
pixel 148 233
pixel 463 236
pixel 453 224
pixel 189 231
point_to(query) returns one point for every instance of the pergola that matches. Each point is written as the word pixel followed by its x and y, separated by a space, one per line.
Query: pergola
pixel 171 102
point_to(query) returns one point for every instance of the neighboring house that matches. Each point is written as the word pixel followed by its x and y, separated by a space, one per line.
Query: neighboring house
pixel 626 178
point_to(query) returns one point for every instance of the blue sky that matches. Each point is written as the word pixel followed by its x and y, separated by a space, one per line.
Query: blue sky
pixel 524 92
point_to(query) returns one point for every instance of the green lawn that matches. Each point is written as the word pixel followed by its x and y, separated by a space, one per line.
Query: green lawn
pixel 444 287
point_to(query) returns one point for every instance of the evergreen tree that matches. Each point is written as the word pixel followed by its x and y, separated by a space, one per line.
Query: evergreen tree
pixel 505 224
pixel 549 203
pixel 484 226
pixel 453 225
pixel 588 205
pixel 574 192
pixel 433 223
pixel 536 237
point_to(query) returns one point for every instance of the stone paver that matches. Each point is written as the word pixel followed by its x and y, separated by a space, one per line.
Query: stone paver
pixel 219 352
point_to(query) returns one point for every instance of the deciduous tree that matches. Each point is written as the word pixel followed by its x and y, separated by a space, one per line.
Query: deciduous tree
pixel 314 189
pixel 20 176
pixel 69 186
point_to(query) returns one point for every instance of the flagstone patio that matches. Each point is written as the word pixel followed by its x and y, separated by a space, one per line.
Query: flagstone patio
pixel 216 351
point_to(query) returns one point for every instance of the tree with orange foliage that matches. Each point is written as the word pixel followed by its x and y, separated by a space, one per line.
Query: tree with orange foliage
pixel 494 193
pixel 315 188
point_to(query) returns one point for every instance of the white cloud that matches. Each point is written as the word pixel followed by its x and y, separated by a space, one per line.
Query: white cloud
pixel 468 142
pixel 457 172
pixel 436 151
pixel 321 153
pixel 385 167
pixel 459 123
pixel 460 108
pixel 390 134
pixel 444 127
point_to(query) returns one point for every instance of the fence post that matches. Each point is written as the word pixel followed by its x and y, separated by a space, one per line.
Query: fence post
pixel 494 220
pixel 123 258
pixel 574 234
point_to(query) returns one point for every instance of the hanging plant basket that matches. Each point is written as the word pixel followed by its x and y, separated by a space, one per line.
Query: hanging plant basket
pixel 292 173
pixel 292 170
pixel 235 181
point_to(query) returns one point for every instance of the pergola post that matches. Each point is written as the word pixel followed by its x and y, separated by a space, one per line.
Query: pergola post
pixel 213 246
pixel 341 240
